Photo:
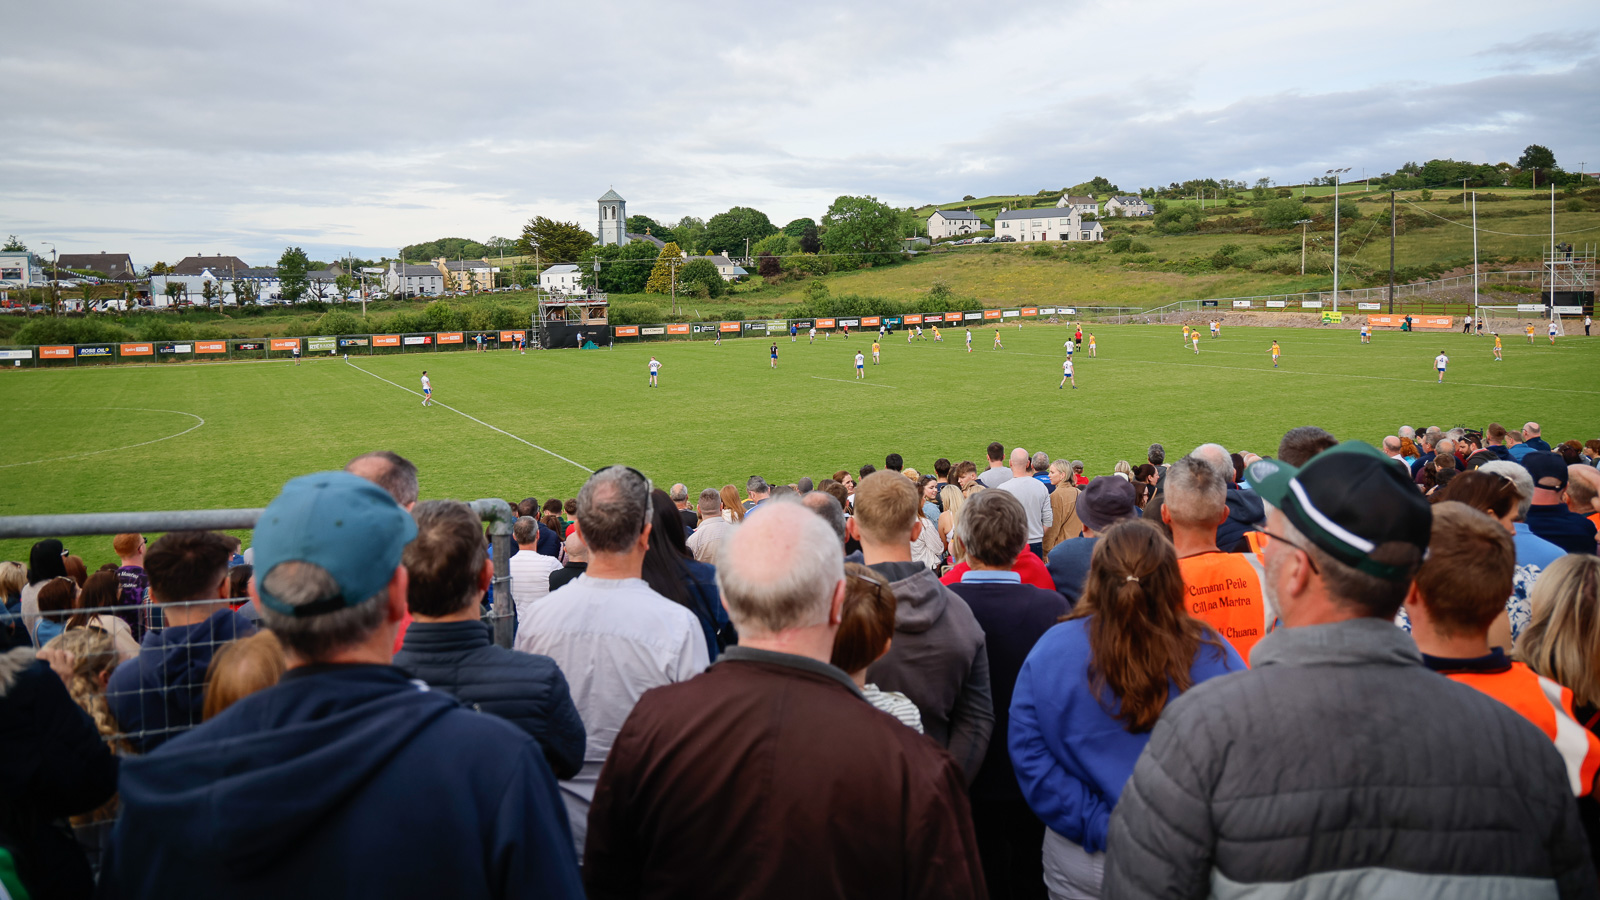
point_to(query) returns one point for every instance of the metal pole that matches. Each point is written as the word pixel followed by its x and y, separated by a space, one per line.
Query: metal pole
pixel 1391 251
pixel 117 523
pixel 1475 311
pixel 1336 242
pixel 503 617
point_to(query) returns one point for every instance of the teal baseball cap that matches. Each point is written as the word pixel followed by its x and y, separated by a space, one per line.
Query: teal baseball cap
pixel 341 522
pixel 1348 500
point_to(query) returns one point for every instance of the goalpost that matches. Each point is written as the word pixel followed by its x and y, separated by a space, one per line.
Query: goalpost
pixel 1513 321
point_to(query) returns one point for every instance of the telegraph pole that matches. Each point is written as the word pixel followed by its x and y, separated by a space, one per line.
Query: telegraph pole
pixel 1303 223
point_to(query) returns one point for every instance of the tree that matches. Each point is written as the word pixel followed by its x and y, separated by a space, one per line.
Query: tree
pixel 449 248
pixel 660 281
pixel 861 226
pixel 809 241
pixel 500 245
pixel 14 245
pixel 160 268
pixel 173 289
pixel 689 233
pixel 700 277
pixel 767 265
pixel 647 225
pixel 798 227
pixel 244 291
pixel 557 242
pixel 209 291
pixel 1534 157
pixel 292 267
pixel 345 284
pixel 1282 213
pixel 726 232
pixel 624 269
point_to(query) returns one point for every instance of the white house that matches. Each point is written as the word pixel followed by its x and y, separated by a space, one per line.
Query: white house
pixel 1086 206
pixel 1128 206
pixel 413 281
pixel 1049 224
pixel 951 222
pixel 725 266
pixel 563 279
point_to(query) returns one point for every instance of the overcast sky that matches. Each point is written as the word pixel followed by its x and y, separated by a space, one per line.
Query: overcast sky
pixel 165 128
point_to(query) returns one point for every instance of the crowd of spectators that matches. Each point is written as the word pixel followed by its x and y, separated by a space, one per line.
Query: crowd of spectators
pixel 1336 669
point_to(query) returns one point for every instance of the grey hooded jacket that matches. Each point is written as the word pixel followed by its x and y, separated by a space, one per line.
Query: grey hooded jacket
pixel 1339 766
pixel 939 660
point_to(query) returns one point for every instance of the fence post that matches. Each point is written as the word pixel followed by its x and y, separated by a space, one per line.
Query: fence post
pixel 499 515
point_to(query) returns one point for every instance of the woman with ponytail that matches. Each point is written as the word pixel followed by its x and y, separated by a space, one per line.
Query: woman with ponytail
pixel 1092 689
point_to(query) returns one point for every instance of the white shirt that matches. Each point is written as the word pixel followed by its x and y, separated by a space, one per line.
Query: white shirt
pixel 1066 367
pixel 813 331
pixel 1440 360
pixel 530 579
pixel 707 539
pixel 614 639
pixel 1035 498
pixel 426 385
pixel 654 367
pixel 969 335
pixel 1069 346
pixel 1552 328
pixel 860 360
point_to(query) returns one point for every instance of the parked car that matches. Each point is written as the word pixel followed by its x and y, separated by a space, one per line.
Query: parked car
pixel 1006 239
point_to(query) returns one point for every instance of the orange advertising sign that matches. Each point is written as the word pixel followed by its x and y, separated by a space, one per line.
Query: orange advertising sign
pixel 451 337
pixel 627 331
pixel 991 314
pixel 285 343
pixel 509 336
pixel 136 350
pixel 825 323
pixel 677 329
pixel 1030 310
pixel 729 326
pixel 913 319
pixel 870 321
pixel 211 346
pixel 386 340
pixel 55 352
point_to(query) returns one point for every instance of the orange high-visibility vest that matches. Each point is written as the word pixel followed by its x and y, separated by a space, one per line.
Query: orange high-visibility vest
pixel 1549 706
pixel 1257 540
pixel 1224 591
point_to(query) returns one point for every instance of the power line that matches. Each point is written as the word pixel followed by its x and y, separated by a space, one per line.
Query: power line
pixel 1503 233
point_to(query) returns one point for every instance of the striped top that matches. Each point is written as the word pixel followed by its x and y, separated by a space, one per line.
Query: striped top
pixel 895 704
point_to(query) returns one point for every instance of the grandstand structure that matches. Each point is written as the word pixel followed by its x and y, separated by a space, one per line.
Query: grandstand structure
pixel 1569 278
pixel 562 318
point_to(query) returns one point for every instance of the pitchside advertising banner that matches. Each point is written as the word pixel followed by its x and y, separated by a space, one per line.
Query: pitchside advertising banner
pixel 1208 303
pixel 1365 307
pixel 659 329
pixel 55 352
pixel 249 345
pixel 1329 317
pixel 95 350
pixel 1567 310
pixel 321 343
pixel 416 340
pixel 1416 321
pixel 285 343
pixel 507 337
pixel 1310 304
pixel 825 323
pixel 914 319
pixel 451 337
pixel 1030 311
pixel 627 331
pixel 352 342
pixel 1277 304
pixel 1530 307
pixel 174 348
pixel 211 346
pixel 386 340
pixel 137 350
pixel 755 326
pixel 16 354
pixel 974 315
pixel 1241 304
pixel 729 326
pixel 871 322
pixel 677 329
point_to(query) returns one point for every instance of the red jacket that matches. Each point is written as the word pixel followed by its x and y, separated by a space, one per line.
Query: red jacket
pixel 1029 566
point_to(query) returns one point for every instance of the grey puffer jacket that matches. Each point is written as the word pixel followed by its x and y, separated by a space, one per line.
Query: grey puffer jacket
pixel 1340 767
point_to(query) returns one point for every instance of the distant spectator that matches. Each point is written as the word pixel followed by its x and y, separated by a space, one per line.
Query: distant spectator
pixel 866 470
pixel 1532 440
pixel 732 506
pixel 1106 501
pixel 159 695
pixel 773 748
pixel 46 560
pixel 827 506
pixel 571 510
pixel 1549 516
pixel 390 471
pixel 937 658
pixel 1570 452
pixel 1226 587
pixel 1064 521
pixel 56 765
pixel 673 572
pixel 1509 497
pixel 998 472
pixel 84 658
pixel 13 578
pixel 1034 497
pixel 91 610
pixel 894 462
pixel 133 585
pixel 1157 457
pixel 804 486
pixel 577 562
pixel 240 669
pixel 1145 477
pixel 1085 705
pixel 1078 478
pixel 1124 469
pixel 1583 487
pixel 1246 512
pixel 239 586
pixel 686 513
pixel 56 600
pixel 293 785
pixel 1013 616
pixel 77 569
pixel 757 490
pixel 866 626
pixel 449 646
pixel 530 569
pixel 610 626
pixel 1300 444
pixel 711 530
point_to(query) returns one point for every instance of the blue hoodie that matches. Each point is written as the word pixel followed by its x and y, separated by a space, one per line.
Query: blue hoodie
pixel 162 690
pixel 1072 755
pixel 343 781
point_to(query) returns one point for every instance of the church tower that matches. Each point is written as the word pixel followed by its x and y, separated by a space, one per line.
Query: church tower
pixel 613 219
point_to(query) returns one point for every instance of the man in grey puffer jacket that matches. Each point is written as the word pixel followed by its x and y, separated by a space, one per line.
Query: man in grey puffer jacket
pixel 937 656
pixel 1339 766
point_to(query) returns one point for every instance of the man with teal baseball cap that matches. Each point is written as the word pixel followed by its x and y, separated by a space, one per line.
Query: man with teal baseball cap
pixel 1338 765
pixel 348 776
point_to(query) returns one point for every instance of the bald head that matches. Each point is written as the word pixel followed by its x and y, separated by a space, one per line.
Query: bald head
pixel 390 471
pixel 1391 445
pixel 779 571
pixel 825 505
pixel 577 550
pixel 1530 430
pixel 1217 457
pixel 1583 483
pixel 1021 463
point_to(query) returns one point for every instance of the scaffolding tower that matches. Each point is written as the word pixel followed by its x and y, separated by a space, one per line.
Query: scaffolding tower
pixel 1569 277
pixel 560 312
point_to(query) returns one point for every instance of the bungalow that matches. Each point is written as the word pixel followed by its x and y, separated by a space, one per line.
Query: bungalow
pixel 563 279
pixel 1046 225
pixel 726 267
pixel 1085 206
pixel 1128 206
pixel 951 222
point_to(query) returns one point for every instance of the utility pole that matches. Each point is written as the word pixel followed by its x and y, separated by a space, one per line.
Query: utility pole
pixel 1336 173
pixel 1303 223
pixel 1391 251
pixel 1476 312
pixel 1464 196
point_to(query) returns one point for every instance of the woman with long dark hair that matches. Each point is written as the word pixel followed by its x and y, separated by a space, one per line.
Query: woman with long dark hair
pixel 95 608
pixel 671 571
pixel 1092 689
pixel 46 560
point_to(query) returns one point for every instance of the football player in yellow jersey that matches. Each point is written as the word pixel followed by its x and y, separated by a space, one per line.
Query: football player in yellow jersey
pixel 1186 335
pixel 1275 354
pixel 1529 329
pixel 1497 356
pixel 875 349
pixel 1091 343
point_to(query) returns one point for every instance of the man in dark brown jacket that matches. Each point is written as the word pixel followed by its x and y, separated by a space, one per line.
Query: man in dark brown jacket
pixel 770 775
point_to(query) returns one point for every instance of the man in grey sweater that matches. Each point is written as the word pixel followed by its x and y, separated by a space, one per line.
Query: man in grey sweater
pixel 937 657
pixel 1339 766
pixel 1034 497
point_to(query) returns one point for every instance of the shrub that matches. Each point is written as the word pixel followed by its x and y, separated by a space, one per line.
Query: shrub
pixel 87 330
pixel 338 322
pixel 438 316
pixel 1574 205
pixel 1122 243
pixel 1426 194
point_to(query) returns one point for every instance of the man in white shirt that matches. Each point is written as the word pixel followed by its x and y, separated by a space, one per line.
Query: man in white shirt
pixel 707 538
pixel 1034 497
pixel 612 635
pixel 1439 362
pixel 530 569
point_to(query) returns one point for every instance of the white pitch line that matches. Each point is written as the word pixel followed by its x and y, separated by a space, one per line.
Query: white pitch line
pixel 857 381
pixel 475 419
pixel 177 412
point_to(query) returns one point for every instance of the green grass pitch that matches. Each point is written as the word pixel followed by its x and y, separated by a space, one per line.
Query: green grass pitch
pixel 229 435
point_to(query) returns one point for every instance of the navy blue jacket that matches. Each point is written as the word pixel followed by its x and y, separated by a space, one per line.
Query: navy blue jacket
pixel 525 689
pixel 549 542
pixel 162 690
pixel 1246 512
pixel 343 781
pixel 55 766
pixel 706 603
pixel 1068 564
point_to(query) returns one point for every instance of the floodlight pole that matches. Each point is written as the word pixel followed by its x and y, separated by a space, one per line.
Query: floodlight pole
pixel 1336 173
pixel 1391 251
